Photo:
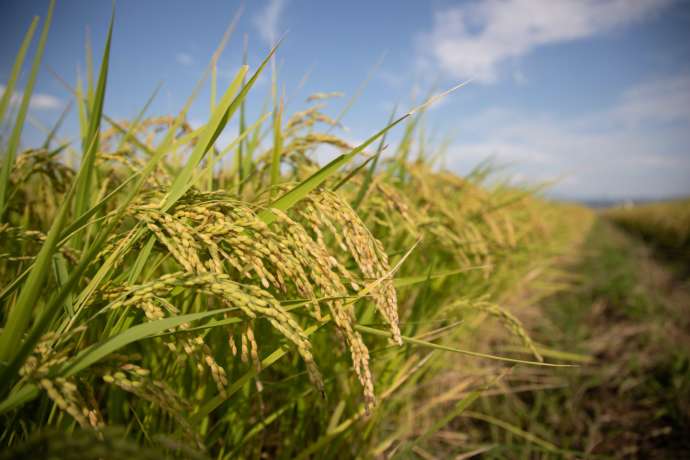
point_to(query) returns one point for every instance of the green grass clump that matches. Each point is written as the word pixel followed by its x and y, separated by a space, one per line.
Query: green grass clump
pixel 273 308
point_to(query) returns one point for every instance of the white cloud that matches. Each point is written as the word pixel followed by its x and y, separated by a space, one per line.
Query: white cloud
pixel 505 151
pixel 39 101
pixel 184 59
pixel 473 40
pixel 661 101
pixel 268 19
pixel 639 146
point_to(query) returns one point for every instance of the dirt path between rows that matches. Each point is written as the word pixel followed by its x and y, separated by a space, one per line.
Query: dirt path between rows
pixel 632 315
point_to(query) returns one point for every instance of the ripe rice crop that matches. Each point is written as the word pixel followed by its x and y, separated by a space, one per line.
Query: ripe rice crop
pixel 664 225
pixel 272 308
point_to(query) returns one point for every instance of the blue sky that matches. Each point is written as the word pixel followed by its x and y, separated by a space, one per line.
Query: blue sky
pixel 595 93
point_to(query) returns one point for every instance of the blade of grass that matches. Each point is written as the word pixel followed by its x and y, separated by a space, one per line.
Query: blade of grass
pixel 372 169
pixel 230 146
pixel 239 161
pixel 476 354
pixel 411 280
pixel 277 144
pixel 82 111
pixel 353 173
pixel 16 68
pixel 88 54
pixel 529 437
pixel 15 136
pixel 214 81
pixel 56 126
pixel 84 189
pixel 129 134
pixel 219 119
pixel 207 137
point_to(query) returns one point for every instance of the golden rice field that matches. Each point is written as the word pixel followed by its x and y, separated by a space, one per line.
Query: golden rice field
pixel 166 296
pixel 665 225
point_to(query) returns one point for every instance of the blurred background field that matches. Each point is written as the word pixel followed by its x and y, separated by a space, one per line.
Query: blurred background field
pixel 664 225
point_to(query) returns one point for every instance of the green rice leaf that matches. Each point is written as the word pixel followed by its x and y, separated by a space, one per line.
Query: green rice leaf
pixel 15 136
pixel 84 190
pixel 16 68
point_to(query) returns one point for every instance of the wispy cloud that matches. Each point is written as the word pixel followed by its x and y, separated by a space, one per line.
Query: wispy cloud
pixel 184 59
pixel 473 40
pixel 633 148
pixel 39 101
pixel 664 100
pixel 267 21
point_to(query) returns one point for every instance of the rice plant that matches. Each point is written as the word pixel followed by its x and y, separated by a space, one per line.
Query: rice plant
pixel 157 302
